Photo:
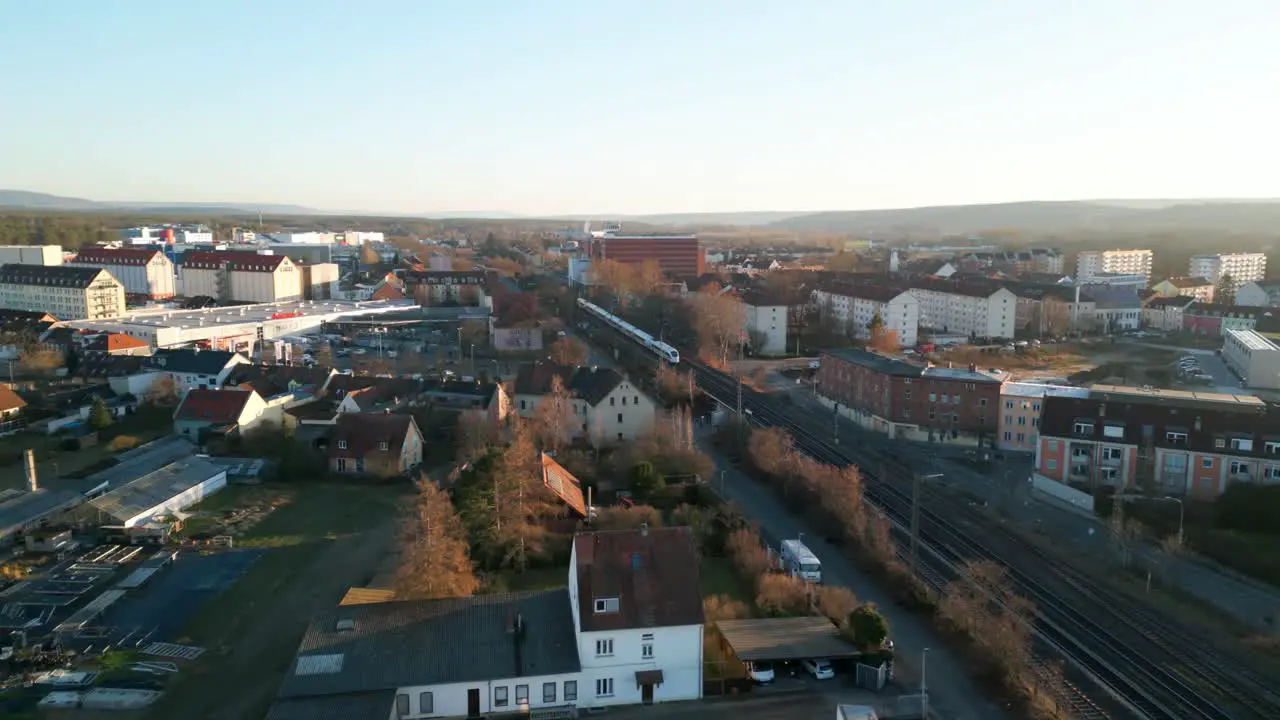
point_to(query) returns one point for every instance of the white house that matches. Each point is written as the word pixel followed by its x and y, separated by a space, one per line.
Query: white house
pixel 766 323
pixel 637 614
pixel 607 407
pixel 627 630
pixel 218 411
pixel 1258 293
pixel 1165 314
pixel 855 306
pixel 197 368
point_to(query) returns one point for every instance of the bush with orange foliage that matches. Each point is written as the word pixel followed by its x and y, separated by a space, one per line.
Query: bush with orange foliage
pixel 750 558
pixel 782 595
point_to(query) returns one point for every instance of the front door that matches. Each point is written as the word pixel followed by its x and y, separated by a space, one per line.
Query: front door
pixel 646 694
pixel 473 702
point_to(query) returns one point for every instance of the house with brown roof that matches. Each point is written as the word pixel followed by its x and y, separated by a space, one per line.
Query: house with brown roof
pixel 638 614
pixel 207 412
pixel 378 444
pixel 117 344
pixel 1201 289
pixel 605 407
pixel 10 404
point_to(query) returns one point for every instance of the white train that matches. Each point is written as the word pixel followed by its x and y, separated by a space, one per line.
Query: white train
pixel 660 349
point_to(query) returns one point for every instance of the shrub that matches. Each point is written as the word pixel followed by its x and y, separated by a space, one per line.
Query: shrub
pixel 781 595
pixel 121 443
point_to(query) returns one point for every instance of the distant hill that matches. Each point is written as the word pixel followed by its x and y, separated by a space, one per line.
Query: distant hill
pixel 741 219
pixel 1229 215
pixel 24 200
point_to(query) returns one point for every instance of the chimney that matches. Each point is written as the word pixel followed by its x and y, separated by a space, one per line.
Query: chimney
pixel 29 464
pixel 644 526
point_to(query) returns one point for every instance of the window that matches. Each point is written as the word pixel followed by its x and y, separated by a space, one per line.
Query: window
pixel 402 704
pixel 635 400
pixel 1079 469
pixel 1035 422
pixel 500 696
pixel 1113 431
pixel 342 464
pixel 342 444
pixel 570 690
pixel 982 419
pixel 906 394
pixel 604 605
pixel 1035 406
pixel 1175 438
pixel 1239 468
pixel 426 703
pixel 1112 453
pixel 1219 443
pixel 619 417
pixel 1273 448
pixel 931 414
pixel 624 402
pixel 982 402
pixel 1051 464
pixel 1008 419
pixel 1271 472
pixel 613 401
pixel 906 381
pixel 1242 444
pixel 1022 420
pixel 604 687
pixel 646 646
pixel 946 399
pixel 604 648
pixel 1022 437
pixel 522 694
pixel 548 692
pixel 1008 436
pixel 1082 428
pixel 522 407
pixel 1206 463
pixel 384 445
pixel 1008 404
pixel 933 397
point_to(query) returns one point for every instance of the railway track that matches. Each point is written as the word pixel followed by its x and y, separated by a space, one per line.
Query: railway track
pixel 1135 655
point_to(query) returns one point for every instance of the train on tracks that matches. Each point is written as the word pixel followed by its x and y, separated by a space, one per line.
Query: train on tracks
pixel 653 345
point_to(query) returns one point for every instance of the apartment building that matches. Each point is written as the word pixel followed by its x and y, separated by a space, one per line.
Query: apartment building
pixel 1258 293
pixel 68 293
pixel 606 408
pixel 1092 262
pixel 979 310
pixel 146 274
pixel 1256 359
pixel 1162 442
pixel 1196 287
pixel 1239 268
pixel 766 318
pixel 1165 313
pixel 856 305
pixel 1018 429
pixel 446 287
pixel 1214 319
pixel 240 277
pixel 910 401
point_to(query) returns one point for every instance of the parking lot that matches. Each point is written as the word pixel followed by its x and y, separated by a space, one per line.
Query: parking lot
pixel 1224 381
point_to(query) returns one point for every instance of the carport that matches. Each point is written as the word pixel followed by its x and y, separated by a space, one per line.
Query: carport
pixel 783 639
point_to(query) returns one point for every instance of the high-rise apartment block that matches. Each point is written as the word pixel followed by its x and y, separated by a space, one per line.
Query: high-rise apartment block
pixel 1094 262
pixel 1240 268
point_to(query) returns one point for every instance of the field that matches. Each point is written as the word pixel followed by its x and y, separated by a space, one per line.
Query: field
pixel 52 462
pixel 319 541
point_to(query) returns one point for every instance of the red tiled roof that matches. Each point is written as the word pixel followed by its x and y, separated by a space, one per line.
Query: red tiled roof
pixel 240 261
pixel 114 256
pixel 563 484
pixel 115 342
pixel 362 434
pixel 653 573
pixel 9 399
pixel 214 406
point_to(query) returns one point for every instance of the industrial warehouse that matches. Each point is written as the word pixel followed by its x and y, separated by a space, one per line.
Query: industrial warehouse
pixel 237 325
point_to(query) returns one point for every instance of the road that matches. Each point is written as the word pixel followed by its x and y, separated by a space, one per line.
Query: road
pixel 1003 485
pixel 953 694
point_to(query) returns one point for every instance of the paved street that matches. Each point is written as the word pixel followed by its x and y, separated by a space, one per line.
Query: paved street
pixel 1003 485
pixel 953 694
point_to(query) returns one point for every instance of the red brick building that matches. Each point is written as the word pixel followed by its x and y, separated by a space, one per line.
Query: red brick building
pixel 1166 442
pixel 679 256
pixel 910 401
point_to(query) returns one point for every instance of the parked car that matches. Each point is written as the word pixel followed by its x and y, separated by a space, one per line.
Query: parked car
pixel 820 669
pixel 760 673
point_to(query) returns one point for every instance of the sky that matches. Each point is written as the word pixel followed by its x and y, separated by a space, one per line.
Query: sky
pixel 545 107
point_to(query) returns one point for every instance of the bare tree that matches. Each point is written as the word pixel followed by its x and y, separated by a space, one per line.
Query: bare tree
pixel 719 320
pixel 163 392
pixel 569 351
pixel 1055 317
pixel 476 433
pixel 37 358
pixel 881 338
pixel 621 517
pixel 435 560
pixel 556 421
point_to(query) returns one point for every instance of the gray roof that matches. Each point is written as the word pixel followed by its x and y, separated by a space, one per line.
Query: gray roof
pixel 53 275
pixel 28 508
pixel 140 461
pixel 785 639
pixel 963 373
pixel 200 362
pixel 155 488
pixel 1039 390
pixel 428 642
pixel 880 363
pixel 375 705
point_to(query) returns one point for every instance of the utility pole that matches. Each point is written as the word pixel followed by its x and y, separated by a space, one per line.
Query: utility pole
pixel 835 422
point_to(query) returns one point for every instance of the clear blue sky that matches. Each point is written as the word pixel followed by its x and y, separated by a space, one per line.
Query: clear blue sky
pixel 606 106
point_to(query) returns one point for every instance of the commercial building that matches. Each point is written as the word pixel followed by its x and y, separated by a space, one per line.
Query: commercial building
pixel 910 401
pixel 1253 357
pixel 678 256
pixel 1092 262
pixel 856 305
pixel 237 328
pixel 240 277
pixel 145 273
pixel 70 293
pixel 1020 405
pixel 1195 287
pixel 320 281
pixel 30 254
pixel 159 493
pixel 604 407
pixel 1159 442
pixel 446 287
pixel 1258 293
pixel 627 630
pixel 1238 268
pixel 168 235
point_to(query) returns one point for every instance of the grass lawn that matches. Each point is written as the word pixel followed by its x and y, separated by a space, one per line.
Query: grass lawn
pixel 718 577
